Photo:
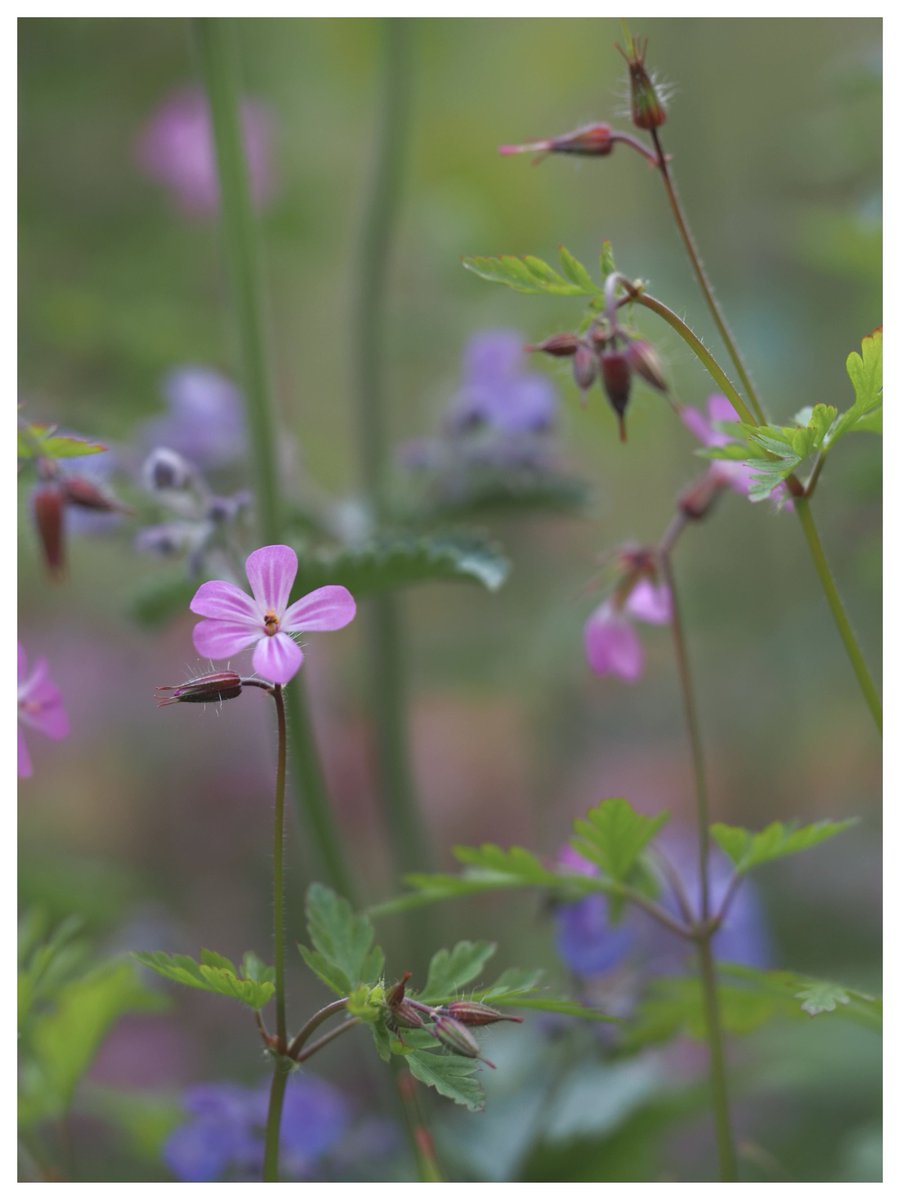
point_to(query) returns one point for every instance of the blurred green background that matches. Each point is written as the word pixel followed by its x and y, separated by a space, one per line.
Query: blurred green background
pixel 155 825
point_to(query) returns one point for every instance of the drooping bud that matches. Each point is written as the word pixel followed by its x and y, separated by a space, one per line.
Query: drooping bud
pixel 590 140
pixel 560 345
pixel 647 111
pixel 470 1012
pixel 584 366
pixel 642 357
pixel 698 498
pixel 84 493
pixel 454 1035
pixel 615 371
pixel 48 502
pixel 220 685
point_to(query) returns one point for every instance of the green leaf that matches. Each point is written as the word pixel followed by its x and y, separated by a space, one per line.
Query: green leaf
pixel 214 973
pixel 160 599
pixel 64 1040
pixel 515 981
pixel 450 970
pixel 253 967
pixel 748 850
pixel 613 836
pixel 360 1004
pixel 555 1004
pixel 42 441
pixel 801 996
pixel 515 867
pixel 530 275
pixel 449 1074
pixel 865 372
pixel 576 272
pixel 45 966
pixel 607 261
pixel 345 956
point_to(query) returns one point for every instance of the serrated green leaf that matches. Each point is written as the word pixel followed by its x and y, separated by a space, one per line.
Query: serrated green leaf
pixel 515 981
pixel 253 967
pixel 42 441
pixel 557 1004
pixel 821 996
pixel 748 850
pixel 775 439
pixel 865 372
pixel 382 1040
pixel 613 835
pixel 449 1074
pixel 450 970
pixel 529 275
pixel 209 975
pixel 801 996
pixel 607 260
pixel 343 940
pixel 515 867
pixel 576 272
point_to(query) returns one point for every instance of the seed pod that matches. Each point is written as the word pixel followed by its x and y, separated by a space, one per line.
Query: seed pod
pixel 698 498
pixel 584 366
pixel 454 1035
pixel 615 371
pixel 590 140
pixel 47 503
pixel 470 1012
pixel 84 493
pixel 405 1016
pixel 642 357
pixel 647 111
pixel 220 685
pixel 560 345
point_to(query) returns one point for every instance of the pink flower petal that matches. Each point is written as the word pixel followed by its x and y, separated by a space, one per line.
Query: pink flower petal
pixel 222 639
pixel 277 658
pixel 329 607
pixel 23 662
pixel 611 645
pixel 225 602
pixel 695 422
pixel 24 757
pixel 720 408
pixel 272 571
pixel 650 602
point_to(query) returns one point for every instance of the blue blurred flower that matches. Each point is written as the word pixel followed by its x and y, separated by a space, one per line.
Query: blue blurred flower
pixel 590 944
pixel 225 1135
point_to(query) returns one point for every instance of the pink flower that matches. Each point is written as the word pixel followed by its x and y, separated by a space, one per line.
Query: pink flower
pixel 40 707
pixel 736 475
pixel 176 149
pixel 237 621
pixel 611 645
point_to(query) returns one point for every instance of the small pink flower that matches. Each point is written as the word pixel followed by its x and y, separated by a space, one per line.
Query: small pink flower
pixel 238 621
pixel 736 475
pixel 611 645
pixel 40 707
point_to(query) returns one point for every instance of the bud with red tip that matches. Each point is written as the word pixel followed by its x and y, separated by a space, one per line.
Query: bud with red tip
pixel 591 140
pixel 220 685
pixel 642 357
pixel 560 345
pixel 470 1012
pixel 615 372
pixel 84 493
pixel 647 111
pixel 454 1035
pixel 47 503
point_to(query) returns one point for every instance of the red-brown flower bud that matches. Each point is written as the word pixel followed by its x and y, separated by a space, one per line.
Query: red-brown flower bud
pixel 220 685
pixel 84 493
pixel 470 1012
pixel 698 498
pixel 615 371
pixel 584 366
pixel 406 1016
pixel 643 358
pixel 454 1035
pixel 647 111
pixel 560 345
pixel 48 502
pixel 591 140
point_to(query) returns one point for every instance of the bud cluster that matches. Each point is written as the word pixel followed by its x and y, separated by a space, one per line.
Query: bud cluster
pixel 56 492
pixel 448 1023
pixel 612 356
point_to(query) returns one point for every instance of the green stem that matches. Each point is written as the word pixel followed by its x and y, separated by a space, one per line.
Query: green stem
pixel 848 637
pixel 385 641
pixel 718 1077
pixel 687 334
pixel 218 58
pixel 418 1133
pixel 703 279
pixel 279 1077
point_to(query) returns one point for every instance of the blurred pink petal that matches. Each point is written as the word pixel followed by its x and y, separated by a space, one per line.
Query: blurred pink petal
pixel 650 602
pixel 40 707
pixel 611 645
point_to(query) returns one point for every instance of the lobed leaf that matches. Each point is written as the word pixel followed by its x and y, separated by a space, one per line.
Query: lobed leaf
pixel 613 836
pixel 748 850
pixel 344 954
pixel 214 973
pixel 449 1074
pixel 530 275
pixel 42 441
pixel 450 970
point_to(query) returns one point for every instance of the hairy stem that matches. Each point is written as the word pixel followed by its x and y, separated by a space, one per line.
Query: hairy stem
pixel 279 1078
pixel 385 643
pixel 841 619
pixel 218 58
pixel 330 1010
pixel 703 279
pixel 718 1075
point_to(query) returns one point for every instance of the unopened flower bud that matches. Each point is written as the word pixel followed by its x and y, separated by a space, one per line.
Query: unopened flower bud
pixel 615 371
pixel 47 502
pixel 470 1012
pixel 643 358
pixel 560 345
pixel 406 1016
pixel 647 111
pixel 84 493
pixel 592 140
pixel 584 366
pixel 698 498
pixel 165 470
pixel 395 994
pixel 220 685
pixel 454 1035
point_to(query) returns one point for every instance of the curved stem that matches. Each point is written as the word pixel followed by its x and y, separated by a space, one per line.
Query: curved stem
pixel 687 334
pixel 326 1038
pixel 703 279
pixel 841 619
pixel 218 59
pixel 279 1077
pixel 313 1024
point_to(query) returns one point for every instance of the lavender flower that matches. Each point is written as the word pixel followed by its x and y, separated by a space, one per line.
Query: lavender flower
pixel 611 645
pixel 236 621
pixel 735 475
pixel 205 422
pixel 175 149
pixel 224 1136
pixel 40 707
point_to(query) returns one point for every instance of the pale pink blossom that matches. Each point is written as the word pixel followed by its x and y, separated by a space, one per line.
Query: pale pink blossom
pixel 40 707
pixel 611 643
pixel 728 473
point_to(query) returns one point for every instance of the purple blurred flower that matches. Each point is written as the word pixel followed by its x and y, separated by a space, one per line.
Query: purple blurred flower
pixel 237 621
pixel 611 645
pixel 175 148
pixel 225 1135
pixel 736 475
pixel 40 707
pixel 498 392
pixel 205 423
pixel 589 944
